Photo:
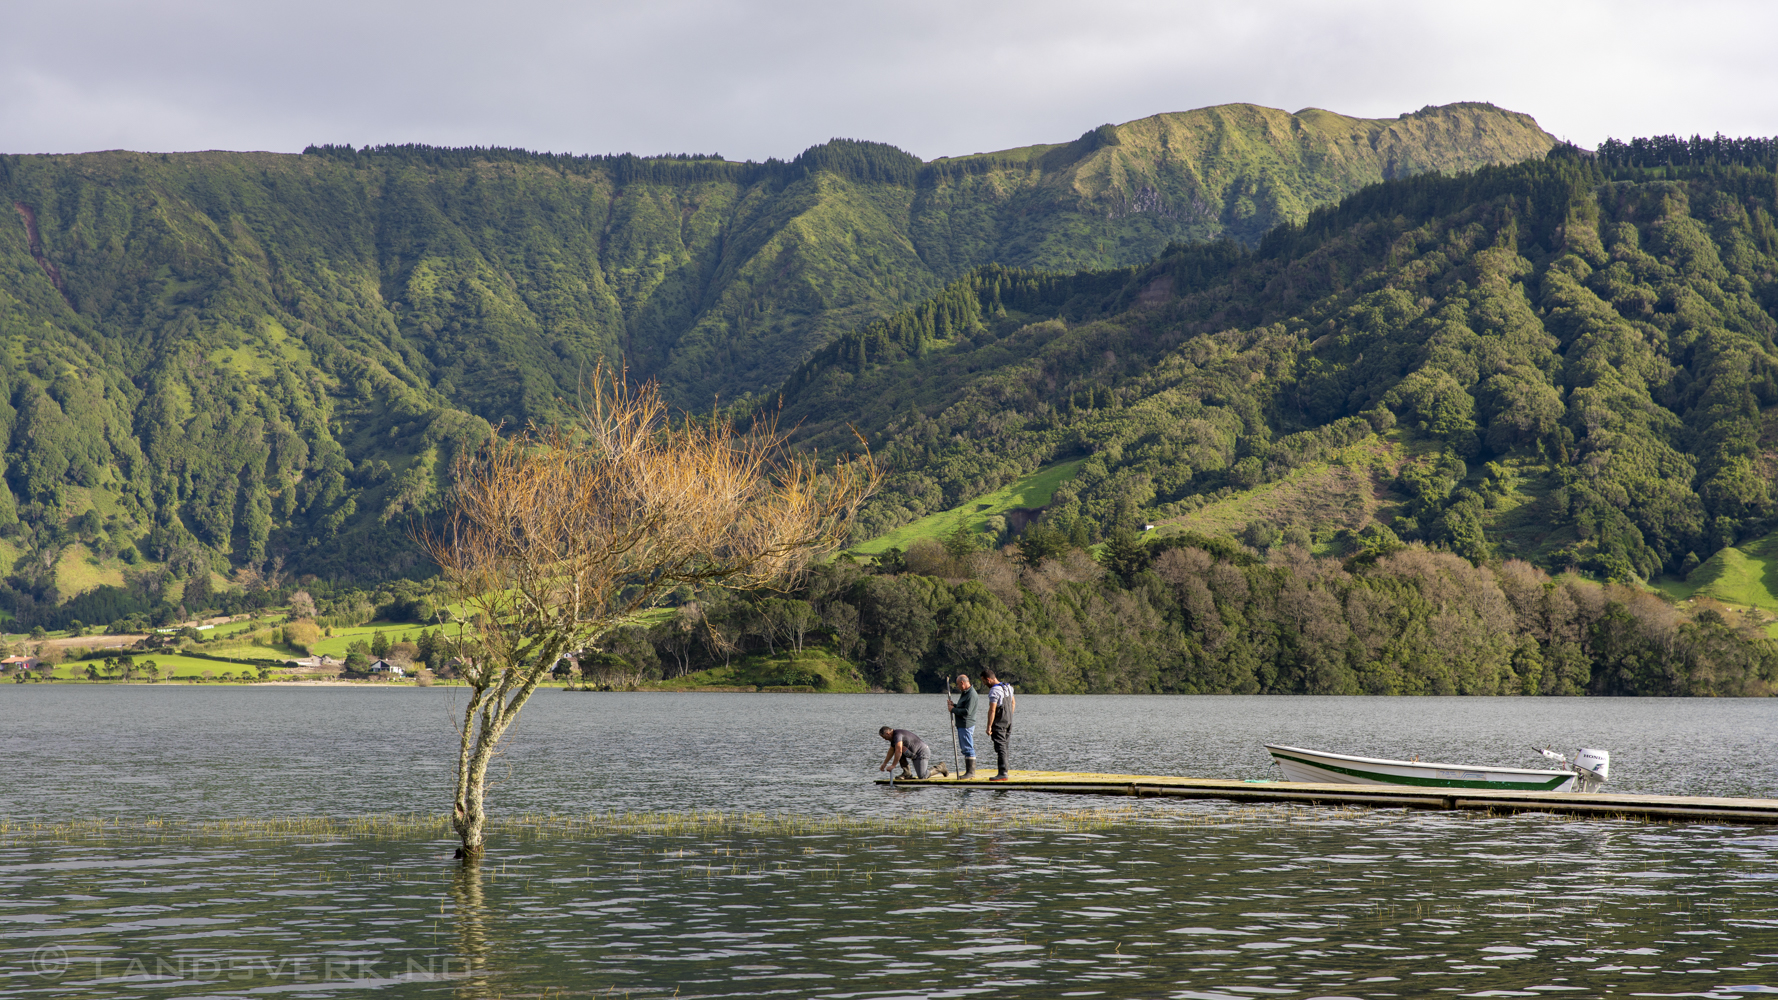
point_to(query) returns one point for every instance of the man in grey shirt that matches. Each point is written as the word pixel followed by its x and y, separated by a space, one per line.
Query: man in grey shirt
pixel 906 750
pixel 1001 705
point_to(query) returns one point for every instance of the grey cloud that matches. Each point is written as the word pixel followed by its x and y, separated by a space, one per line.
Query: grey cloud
pixel 754 79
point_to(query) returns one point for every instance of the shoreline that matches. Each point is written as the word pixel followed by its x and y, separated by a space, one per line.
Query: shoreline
pixel 385 686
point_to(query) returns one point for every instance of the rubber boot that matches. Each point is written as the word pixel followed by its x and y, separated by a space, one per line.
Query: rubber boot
pixel 968 770
pixel 1002 776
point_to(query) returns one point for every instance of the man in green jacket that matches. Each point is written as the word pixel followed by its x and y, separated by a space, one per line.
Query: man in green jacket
pixel 963 711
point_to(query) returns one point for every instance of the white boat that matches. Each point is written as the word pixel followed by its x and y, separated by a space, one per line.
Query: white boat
pixel 1585 773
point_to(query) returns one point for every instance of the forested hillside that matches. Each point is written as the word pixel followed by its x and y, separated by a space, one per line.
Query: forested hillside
pixel 221 359
pixel 1412 416
pixel 1568 360
pixel 1431 439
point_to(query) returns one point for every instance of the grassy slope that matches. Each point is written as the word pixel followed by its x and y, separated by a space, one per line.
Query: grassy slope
pixel 1742 579
pixel 1034 490
pixel 1354 490
pixel 9 557
pixel 1349 492
pixel 235 644
pixel 234 641
pixel 79 570
pixel 1522 526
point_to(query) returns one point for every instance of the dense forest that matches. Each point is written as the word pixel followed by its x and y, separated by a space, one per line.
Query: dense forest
pixel 1197 615
pixel 1671 150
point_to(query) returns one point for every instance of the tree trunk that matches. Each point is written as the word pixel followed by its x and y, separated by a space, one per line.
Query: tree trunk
pixel 490 711
pixel 471 815
pixel 468 814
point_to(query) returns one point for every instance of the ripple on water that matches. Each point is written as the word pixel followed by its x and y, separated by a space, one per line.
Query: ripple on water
pixel 1176 900
pixel 216 752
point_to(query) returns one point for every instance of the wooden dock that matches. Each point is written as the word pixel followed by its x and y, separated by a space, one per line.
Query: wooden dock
pixel 1687 808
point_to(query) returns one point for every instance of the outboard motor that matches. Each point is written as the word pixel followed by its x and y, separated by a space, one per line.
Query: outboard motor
pixel 1590 767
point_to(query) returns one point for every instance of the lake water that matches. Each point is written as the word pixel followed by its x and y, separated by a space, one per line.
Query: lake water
pixel 889 899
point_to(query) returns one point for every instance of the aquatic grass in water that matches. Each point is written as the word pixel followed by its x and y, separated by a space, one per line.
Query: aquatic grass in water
pixel 525 828
pixel 613 824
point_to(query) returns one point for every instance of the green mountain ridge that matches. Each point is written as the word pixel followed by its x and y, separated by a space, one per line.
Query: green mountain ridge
pixel 1378 445
pixel 234 358
pixel 1234 171
pixel 714 276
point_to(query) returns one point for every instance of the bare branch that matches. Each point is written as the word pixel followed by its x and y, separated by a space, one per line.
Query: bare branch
pixel 559 535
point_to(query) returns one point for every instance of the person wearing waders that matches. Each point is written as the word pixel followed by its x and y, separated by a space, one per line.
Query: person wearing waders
pixel 963 713
pixel 907 751
pixel 1000 709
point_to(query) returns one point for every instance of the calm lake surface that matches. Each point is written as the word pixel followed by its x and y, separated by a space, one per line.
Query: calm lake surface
pixel 1158 899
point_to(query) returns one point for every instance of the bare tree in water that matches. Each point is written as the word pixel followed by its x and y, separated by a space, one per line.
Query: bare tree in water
pixel 556 537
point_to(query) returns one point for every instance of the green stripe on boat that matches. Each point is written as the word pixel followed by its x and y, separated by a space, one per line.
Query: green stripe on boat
pixel 1405 779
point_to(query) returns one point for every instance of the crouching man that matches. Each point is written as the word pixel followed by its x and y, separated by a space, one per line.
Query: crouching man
pixel 909 752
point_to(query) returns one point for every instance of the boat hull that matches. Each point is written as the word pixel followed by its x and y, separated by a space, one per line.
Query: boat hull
pixel 1299 764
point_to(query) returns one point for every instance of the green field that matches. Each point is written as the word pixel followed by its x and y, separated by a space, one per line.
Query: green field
pixel 235 642
pixel 336 644
pixel 1742 576
pixel 232 641
pixel 810 670
pixel 1034 490
pixel 181 667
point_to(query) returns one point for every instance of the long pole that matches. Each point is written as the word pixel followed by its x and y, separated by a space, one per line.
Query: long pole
pixel 952 728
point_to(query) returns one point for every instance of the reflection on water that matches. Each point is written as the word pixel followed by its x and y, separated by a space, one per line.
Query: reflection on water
pixel 1181 900
pixel 472 952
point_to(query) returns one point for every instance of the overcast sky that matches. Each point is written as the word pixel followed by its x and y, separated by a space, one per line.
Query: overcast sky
pixel 757 79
